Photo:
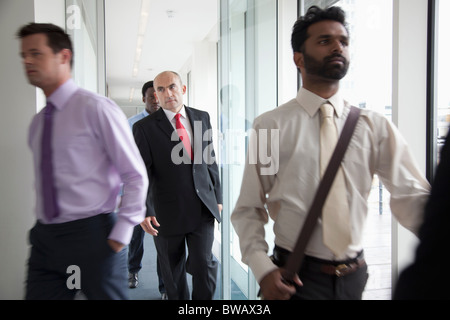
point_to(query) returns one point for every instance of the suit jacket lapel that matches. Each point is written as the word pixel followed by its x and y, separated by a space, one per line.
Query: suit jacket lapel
pixel 196 142
pixel 192 116
pixel 164 123
pixel 167 127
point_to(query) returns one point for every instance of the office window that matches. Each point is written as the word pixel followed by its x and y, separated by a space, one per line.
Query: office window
pixel 438 95
pixel 248 87
pixel 368 85
pixel 442 70
pixel 85 25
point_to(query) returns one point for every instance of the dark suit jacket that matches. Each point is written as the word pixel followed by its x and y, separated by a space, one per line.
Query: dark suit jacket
pixel 427 277
pixel 179 193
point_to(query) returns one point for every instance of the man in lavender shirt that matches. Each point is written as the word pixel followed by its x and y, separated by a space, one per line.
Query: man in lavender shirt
pixel 93 154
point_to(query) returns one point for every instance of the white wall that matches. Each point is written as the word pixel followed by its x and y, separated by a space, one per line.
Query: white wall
pixel 287 72
pixel 409 103
pixel 48 11
pixel 204 80
pixel 18 105
pixel 202 66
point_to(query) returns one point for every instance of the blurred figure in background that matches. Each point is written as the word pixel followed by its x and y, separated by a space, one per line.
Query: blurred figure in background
pixel 426 277
pixel 83 151
pixel 136 247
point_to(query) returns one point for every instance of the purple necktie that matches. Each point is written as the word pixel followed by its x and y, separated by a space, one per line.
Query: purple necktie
pixel 48 190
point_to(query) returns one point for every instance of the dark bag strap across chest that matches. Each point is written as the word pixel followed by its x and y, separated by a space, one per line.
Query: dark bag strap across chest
pixel 295 259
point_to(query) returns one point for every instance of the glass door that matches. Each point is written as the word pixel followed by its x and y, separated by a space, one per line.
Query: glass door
pixel 368 85
pixel 441 79
pixel 85 25
pixel 247 88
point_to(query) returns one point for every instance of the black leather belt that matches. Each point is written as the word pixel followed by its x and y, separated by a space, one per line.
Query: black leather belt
pixel 336 268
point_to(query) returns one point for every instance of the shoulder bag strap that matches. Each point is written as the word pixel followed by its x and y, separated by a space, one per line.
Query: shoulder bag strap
pixel 295 259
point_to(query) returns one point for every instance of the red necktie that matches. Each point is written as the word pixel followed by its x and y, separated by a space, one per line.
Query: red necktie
pixel 182 133
pixel 48 189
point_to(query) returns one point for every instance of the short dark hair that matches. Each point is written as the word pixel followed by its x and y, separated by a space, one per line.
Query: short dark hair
pixel 312 16
pixel 146 86
pixel 58 39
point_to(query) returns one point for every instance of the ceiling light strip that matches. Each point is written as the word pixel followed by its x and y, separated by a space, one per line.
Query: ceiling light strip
pixel 143 22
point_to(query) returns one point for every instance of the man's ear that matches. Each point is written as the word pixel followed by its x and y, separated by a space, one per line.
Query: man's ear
pixel 299 60
pixel 66 55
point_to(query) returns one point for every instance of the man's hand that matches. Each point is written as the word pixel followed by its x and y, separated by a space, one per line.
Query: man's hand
pixel 115 245
pixel 220 207
pixel 273 287
pixel 148 227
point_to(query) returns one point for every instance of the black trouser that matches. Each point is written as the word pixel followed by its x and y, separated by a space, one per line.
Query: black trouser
pixel 200 263
pixel 56 248
pixel 136 252
pixel 318 285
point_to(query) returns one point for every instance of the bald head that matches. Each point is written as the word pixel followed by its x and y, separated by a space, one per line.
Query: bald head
pixel 164 73
pixel 169 90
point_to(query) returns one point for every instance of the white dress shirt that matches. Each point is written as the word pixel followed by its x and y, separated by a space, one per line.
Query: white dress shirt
pixel 184 121
pixel 377 147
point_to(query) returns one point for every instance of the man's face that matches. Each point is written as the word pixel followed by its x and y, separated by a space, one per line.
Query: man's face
pixel 326 53
pixel 42 66
pixel 151 103
pixel 169 91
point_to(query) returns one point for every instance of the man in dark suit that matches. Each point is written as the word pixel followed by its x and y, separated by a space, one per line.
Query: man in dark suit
pixel 426 278
pixel 185 194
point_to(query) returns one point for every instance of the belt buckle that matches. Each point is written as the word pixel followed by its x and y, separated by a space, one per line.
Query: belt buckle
pixel 340 269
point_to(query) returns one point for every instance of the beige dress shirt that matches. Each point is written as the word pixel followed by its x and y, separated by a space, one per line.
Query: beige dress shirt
pixel 286 191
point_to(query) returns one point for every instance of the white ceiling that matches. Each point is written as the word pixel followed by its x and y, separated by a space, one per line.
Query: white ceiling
pixel 168 42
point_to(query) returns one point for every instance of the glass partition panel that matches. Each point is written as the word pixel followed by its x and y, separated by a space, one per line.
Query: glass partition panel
pixel 442 70
pixel 368 85
pixel 248 87
pixel 85 23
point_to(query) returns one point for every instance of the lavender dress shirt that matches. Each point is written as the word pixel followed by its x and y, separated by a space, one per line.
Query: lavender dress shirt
pixel 94 154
